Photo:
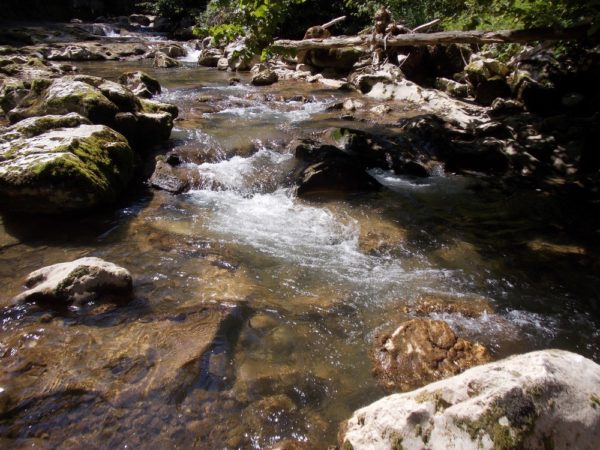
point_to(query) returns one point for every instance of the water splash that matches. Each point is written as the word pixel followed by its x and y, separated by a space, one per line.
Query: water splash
pixel 192 53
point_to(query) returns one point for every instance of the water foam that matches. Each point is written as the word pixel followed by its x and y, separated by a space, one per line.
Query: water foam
pixel 243 175
pixel 191 54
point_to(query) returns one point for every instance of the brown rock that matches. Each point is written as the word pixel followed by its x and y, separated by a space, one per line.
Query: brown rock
pixel 164 61
pixel 421 351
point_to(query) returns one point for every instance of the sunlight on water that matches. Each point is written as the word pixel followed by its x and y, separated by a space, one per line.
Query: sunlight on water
pixel 243 175
pixel 266 112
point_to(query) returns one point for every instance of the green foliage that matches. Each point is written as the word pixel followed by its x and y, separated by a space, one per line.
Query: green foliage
pixel 256 20
pixel 485 14
pixel 496 14
pixel 172 9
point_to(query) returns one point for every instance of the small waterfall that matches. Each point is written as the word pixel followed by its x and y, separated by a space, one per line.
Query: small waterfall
pixel 191 51
pixel 101 29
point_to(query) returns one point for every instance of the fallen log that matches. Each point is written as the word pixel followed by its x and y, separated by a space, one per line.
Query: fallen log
pixel 444 37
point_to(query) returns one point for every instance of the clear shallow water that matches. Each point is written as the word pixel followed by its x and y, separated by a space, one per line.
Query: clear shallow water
pixel 321 278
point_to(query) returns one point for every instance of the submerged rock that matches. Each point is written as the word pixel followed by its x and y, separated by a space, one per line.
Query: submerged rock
pixel 468 306
pixel 140 83
pixel 544 399
pixel 76 281
pixel 62 163
pixel 156 356
pixel 421 351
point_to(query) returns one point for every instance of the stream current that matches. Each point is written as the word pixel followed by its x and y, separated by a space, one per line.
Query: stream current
pixel 321 278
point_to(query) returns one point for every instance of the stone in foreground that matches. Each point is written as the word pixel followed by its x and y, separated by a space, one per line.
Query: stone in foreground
pixel 540 400
pixel 76 281
pixel 421 351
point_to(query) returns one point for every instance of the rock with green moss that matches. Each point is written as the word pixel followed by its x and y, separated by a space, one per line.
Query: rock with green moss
pixel 540 400
pixel 76 281
pixel 12 91
pixel 153 106
pixel 101 101
pixel 452 87
pixel 63 96
pixel 52 164
pixel 482 69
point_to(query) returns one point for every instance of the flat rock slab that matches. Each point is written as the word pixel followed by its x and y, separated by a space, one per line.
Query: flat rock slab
pixel 544 399
pixel 157 355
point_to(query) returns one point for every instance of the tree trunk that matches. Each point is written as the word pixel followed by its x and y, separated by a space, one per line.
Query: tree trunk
pixel 445 37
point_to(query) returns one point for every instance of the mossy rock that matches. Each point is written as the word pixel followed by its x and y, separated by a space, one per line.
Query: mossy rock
pixel 153 106
pixel 63 96
pixel 74 167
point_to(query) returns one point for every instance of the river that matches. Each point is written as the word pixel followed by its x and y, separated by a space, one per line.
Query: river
pixel 320 277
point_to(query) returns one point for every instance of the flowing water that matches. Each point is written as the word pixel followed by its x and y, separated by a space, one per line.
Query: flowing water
pixel 313 281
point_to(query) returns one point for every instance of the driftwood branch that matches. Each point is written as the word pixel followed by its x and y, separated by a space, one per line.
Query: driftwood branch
pixel 426 25
pixel 333 22
pixel 445 37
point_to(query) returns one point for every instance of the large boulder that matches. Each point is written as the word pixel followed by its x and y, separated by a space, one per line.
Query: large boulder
pixel 371 150
pixel 140 83
pixel 421 351
pixel 540 400
pixel 63 96
pixel 209 57
pixel 326 170
pixel 62 163
pixel 77 281
pixel 144 129
pixel 101 101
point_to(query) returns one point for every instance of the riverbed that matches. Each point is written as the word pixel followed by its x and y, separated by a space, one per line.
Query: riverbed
pixel 312 281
